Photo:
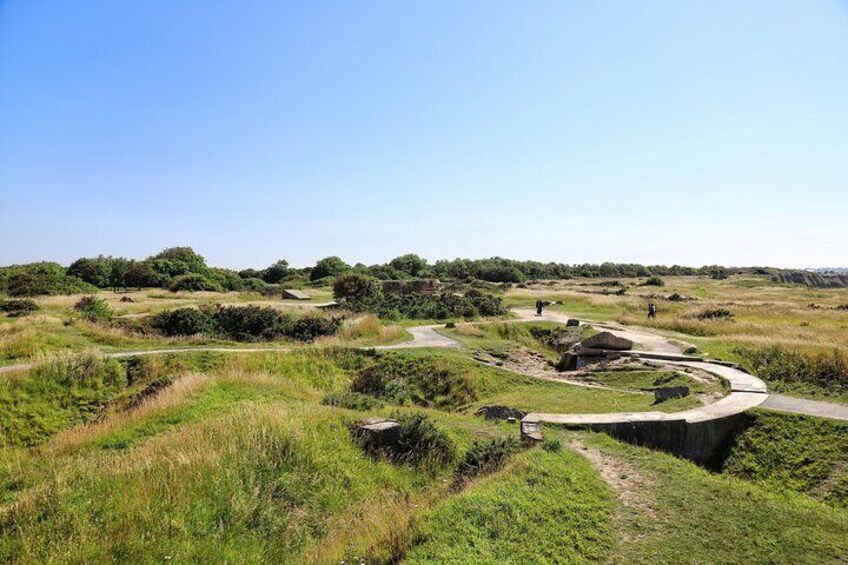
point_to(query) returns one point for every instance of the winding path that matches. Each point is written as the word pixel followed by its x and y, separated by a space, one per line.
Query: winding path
pixel 747 391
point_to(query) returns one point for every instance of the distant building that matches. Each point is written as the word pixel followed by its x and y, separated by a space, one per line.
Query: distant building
pixel 294 294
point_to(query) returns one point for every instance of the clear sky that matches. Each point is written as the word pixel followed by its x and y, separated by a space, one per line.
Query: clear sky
pixel 653 132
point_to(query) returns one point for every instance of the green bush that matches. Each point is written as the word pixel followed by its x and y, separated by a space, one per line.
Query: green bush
pixel 18 308
pixel 716 314
pixel 423 306
pixel 93 308
pixel 356 287
pixel 486 456
pixel 328 267
pixel 351 401
pixel 192 282
pixel 653 281
pixel 552 445
pixel 424 381
pixel 254 285
pixel 182 322
pixel 420 442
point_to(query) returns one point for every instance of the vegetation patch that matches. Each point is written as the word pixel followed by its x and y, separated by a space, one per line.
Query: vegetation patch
pixel 421 380
pixel 789 370
pixel 790 452
pixel 18 308
pixel 352 400
pixel 420 442
pixel 243 323
pixel 486 456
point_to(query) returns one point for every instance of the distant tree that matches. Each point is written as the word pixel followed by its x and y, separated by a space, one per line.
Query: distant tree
pixel 250 274
pixel 141 275
pixel 355 286
pixel 328 267
pixel 94 271
pixel 192 282
pixel 276 272
pixel 410 264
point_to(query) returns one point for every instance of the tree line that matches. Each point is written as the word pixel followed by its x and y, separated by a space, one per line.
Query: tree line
pixel 181 268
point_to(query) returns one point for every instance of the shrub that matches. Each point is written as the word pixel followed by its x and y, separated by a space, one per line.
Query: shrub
pixel 249 323
pixel 18 308
pixel 310 327
pixel 420 442
pixel 552 445
pixel 715 314
pixel 653 281
pixel 254 285
pixel 192 282
pixel 351 400
pixel 93 308
pixel 328 267
pixel 360 288
pixel 487 456
pixel 425 381
pixel 182 321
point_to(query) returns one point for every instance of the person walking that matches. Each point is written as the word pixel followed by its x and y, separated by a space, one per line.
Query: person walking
pixel 539 306
pixel 652 310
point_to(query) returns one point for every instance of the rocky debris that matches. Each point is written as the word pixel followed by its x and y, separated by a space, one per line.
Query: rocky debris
pixel 572 323
pixel 531 432
pixel 379 433
pixel 607 340
pixel 500 413
pixel 568 362
pixel 670 392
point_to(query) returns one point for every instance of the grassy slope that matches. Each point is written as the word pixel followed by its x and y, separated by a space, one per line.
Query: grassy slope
pixel 54 328
pixel 237 461
pixel 699 517
pixel 786 452
pixel 543 508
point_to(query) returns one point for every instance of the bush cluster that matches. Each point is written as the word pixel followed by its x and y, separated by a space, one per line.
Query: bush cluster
pixel 420 442
pixel 778 364
pixel 18 308
pixel 653 281
pixel 243 323
pixel 421 306
pixel 93 308
pixel 716 314
pixel 486 456
pixel 424 381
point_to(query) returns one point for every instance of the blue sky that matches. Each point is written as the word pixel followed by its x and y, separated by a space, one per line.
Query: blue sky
pixel 652 132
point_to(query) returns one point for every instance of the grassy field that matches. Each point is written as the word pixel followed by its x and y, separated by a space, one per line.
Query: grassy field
pixel 55 327
pixel 763 314
pixel 236 457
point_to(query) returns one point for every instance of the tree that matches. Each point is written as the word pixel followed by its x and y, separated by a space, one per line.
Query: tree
pixel 361 288
pixel 328 267
pixel 276 272
pixel 94 271
pixel 411 264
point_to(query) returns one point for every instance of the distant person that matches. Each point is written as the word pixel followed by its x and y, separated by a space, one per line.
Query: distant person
pixel 539 306
pixel 652 310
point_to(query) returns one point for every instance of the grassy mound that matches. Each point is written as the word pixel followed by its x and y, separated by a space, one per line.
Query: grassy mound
pixel 793 453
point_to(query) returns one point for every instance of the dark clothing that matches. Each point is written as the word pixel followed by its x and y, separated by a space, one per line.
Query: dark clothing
pixel 539 306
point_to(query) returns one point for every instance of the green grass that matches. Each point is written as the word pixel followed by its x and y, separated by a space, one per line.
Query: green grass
pixel 543 508
pixel 649 380
pixel 787 452
pixel 698 517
